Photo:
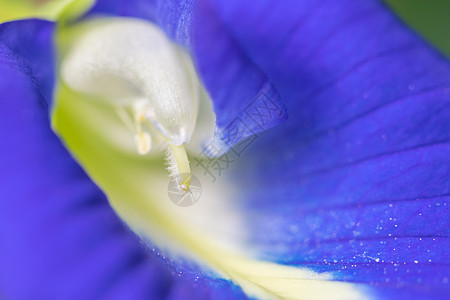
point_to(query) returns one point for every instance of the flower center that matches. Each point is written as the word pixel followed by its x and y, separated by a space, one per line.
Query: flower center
pixel 151 85
pixel 151 81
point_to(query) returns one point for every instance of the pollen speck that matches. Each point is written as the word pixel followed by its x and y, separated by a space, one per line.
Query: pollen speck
pixel 143 142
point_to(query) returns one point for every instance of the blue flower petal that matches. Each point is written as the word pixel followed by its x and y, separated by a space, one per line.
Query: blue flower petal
pixel 126 8
pixel 368 143
pixel 357 181
pixel 60 239
pixel 33 49
pixel 236 85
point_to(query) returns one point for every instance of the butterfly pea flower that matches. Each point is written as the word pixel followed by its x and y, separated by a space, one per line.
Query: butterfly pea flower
pixel 318 131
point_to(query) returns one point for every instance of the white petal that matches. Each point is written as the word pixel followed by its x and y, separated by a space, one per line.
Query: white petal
pixel 128 60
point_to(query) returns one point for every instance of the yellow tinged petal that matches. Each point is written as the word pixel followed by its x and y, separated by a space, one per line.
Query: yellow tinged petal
pixel 54 10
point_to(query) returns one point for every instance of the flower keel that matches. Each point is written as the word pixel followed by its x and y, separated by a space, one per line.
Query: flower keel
pixel 151 81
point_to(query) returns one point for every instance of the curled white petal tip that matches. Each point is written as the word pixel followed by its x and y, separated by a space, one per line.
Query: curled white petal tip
pixel 129 61
pixel 132 65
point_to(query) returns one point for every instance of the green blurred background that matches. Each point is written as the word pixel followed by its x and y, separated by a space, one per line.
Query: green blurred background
pixel 431 18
